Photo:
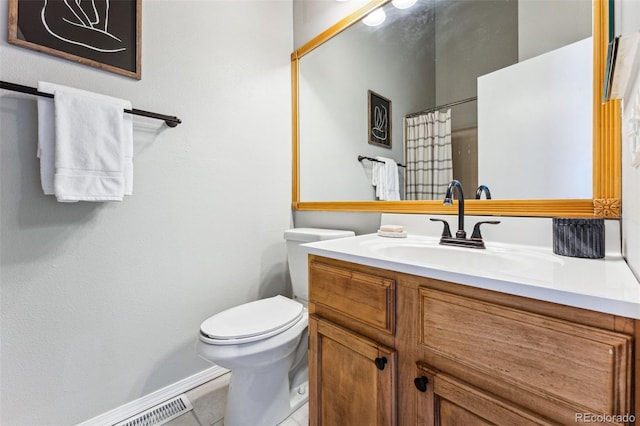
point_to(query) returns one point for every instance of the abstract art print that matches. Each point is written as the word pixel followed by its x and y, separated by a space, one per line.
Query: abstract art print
pixel 102 33
pixel 379 109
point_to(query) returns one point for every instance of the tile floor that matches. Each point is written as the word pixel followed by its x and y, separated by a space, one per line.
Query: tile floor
pixel 208 402
pixel 299 418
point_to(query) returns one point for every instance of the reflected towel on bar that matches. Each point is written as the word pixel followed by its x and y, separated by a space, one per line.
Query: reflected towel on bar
pixel 377 177
pixel 384 176
pixel 88 143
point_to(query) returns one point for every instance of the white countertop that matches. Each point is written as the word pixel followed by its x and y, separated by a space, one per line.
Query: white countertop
pixel 603 285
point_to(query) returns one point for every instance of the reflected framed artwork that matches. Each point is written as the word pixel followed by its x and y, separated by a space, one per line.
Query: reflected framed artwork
pixel 101 33
pixel 379 110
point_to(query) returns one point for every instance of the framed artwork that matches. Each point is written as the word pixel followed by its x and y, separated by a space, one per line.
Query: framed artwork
pixel 379 120
pixel 102 33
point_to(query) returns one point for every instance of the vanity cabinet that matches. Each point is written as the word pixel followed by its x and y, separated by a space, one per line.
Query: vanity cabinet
pixel 352 362
pixel 458 354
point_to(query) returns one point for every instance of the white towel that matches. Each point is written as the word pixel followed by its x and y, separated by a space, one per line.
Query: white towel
pixel 377 177
pixel 384 176
pixel 46 142
pixel 393 181
pixel 93 159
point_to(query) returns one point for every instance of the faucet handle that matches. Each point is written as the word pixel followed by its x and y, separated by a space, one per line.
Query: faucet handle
pixel 446 232
pixel 476 228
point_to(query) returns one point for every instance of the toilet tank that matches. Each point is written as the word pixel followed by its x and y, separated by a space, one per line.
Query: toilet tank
pixel 297 256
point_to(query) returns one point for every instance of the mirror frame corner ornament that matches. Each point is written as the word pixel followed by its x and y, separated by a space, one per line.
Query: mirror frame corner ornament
pixel 607 185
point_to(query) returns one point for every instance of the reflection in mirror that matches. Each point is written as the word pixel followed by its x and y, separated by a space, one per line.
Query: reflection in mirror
pixel 422 58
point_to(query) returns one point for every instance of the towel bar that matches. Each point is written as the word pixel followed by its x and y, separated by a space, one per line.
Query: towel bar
pixel 362 157
pixel 170 120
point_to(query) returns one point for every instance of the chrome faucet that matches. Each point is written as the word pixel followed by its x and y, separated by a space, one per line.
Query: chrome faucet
pixel 460 239
pixel 480 190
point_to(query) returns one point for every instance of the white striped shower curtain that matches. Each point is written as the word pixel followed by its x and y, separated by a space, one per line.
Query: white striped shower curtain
pixel 428 156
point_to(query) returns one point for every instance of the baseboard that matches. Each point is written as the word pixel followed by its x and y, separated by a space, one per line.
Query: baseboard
pixel 141 404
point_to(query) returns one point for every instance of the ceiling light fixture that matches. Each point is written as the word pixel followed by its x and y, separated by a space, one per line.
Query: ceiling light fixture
pixel 403 4
pixel 375 18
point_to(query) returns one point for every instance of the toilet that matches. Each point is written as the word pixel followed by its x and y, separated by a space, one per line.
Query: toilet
pixel 264 343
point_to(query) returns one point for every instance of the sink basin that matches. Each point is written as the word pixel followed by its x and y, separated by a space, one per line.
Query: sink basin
pixel 494 261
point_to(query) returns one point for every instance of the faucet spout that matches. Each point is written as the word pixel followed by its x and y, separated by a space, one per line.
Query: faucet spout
pixel 455 187
pixel 480 190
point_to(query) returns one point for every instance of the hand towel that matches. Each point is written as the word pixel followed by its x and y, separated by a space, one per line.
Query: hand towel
pixel 89 151
pixel 387 182
pixel 393 182
pixel 46 142
pixel 377 178
pixel 100 183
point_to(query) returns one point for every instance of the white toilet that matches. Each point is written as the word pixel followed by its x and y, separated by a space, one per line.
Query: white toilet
pixel 264 343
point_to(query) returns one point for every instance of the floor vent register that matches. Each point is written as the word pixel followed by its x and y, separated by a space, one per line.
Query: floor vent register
pixel 161 413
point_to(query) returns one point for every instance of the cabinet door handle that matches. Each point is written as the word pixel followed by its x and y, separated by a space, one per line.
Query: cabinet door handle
pixel 380 362
pixel 421 383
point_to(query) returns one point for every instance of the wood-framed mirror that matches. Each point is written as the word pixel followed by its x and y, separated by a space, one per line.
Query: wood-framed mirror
pixel 606 173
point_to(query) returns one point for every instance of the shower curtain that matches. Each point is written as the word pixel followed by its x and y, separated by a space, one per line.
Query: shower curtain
pixel 428 156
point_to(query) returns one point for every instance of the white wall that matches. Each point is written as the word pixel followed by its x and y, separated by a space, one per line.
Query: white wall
pixel 535 126
pixel 627 16
pixel 311 17
pixel 545 25
pixel 101 302
pixel 630 22
pixel 631 183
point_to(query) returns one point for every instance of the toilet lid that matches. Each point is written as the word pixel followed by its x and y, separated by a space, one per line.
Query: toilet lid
pixel 254 320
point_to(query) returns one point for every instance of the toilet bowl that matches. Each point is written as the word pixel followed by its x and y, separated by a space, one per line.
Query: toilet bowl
pixel 264 343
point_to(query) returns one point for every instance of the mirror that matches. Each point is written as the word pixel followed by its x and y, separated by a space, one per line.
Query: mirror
pixel 326 121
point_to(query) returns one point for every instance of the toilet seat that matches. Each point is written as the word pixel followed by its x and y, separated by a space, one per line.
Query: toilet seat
pixel 252 321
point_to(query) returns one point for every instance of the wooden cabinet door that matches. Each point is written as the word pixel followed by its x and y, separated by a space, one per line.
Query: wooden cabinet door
pixel 448 401
pixel 566 364
pixel 352 378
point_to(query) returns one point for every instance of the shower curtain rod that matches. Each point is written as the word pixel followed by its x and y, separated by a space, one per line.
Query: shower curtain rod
pixel 463 101
pixel 362 157
pixel 170 120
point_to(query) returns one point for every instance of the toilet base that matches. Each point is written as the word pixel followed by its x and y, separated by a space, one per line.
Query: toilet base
pixel 246 404
pixel 298 397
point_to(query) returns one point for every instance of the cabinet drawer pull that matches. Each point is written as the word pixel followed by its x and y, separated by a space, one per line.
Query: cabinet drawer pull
pixel 421 383
pixel 380 363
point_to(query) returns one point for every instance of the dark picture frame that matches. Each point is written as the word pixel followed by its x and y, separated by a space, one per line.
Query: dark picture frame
pixel 379 121
pixel 105 35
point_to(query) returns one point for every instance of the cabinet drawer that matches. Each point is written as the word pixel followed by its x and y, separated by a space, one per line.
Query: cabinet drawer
pixel 570 363
pixel 367 298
